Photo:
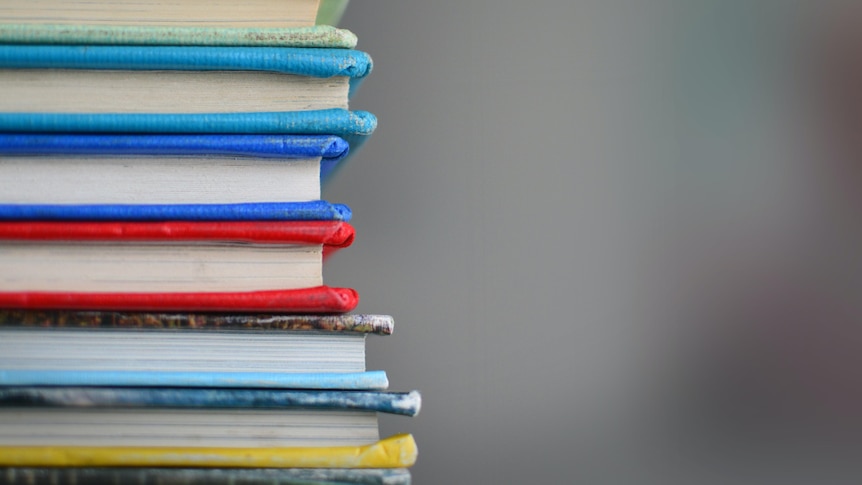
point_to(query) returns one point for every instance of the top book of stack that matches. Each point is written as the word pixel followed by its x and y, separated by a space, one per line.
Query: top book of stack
pixel 258 23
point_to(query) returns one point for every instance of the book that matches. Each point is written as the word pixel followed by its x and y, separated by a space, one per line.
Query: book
pixel 176 79
pixel 324 36
pixel 296 324
pixel 205 418
pixel 394 452
pixel 200 476
pixel 173 265
pixel 401 403
pixel 369 380
pixel 48 168
pixel 316 210
pixel 125 341
pixel 217 13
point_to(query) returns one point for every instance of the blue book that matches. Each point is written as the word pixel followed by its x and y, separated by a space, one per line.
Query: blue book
pixel 370 380
pixel 403 403
pixel 285 211
pixel 311 62
pixel 329 149
pixel 354 126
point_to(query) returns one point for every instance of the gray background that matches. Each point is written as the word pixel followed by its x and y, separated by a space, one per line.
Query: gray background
pixel 492 225
pixel 518 212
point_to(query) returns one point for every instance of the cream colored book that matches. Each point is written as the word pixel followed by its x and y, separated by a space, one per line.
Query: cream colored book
pixel 216 13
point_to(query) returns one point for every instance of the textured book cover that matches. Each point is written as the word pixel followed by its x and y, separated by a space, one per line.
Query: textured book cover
pixel 395 452
pixel 202 476
pixel 402 403
pixel 370 380
pixel 318 210
pixel 354 126
pixel 350 323
pixel 331 149
pixel 321 36
pixel 319 299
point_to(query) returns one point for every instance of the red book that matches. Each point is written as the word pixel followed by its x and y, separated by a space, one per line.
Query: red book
pixel 195 266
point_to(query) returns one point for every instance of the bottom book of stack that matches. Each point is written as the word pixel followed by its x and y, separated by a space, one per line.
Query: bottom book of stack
pixel 121 397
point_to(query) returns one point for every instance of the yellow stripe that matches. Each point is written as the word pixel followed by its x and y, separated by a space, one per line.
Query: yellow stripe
pixel 394 452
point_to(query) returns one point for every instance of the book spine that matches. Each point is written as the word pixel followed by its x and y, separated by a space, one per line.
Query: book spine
pixel 332 233
pixel 371 380
pixel 323 36
pixel 394 452
pixel 375 324
pixel 198 476
pixel 320 299
pixel 321 63
pixel 335 121
pixel 274 211
pixel 229 145
pixel 402 403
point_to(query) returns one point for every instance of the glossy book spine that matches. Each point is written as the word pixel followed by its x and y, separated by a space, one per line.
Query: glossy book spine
pixel 198 322
pixel 370 380
pixel 402 403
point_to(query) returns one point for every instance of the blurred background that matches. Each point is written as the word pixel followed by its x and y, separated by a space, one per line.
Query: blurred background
pixel 620 239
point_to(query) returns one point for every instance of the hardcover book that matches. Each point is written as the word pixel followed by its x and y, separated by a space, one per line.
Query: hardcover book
pixel 39 340
pixel 201 476
pixel 395 452
pixel 112 79
pixel 324 36
pixel 204 418
pixel 45 168
pixel 216 13
pixel 229 266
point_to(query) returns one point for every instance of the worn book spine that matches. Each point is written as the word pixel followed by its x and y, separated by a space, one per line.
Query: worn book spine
pixel 229 145
pixel 321 36
pixel 335 234
pixel 402 403
pixel 319 299
pixel 321 63
pixel 370 380
pixel 276 211
pixel 350 323
pixel 394 452
pixel 200 476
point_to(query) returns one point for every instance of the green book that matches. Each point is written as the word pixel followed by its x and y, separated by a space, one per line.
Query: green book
pixel 315 36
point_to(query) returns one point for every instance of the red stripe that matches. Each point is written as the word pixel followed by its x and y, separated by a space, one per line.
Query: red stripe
pixel 320 299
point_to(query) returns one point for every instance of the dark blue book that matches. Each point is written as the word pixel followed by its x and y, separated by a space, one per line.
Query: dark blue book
pixel 167 176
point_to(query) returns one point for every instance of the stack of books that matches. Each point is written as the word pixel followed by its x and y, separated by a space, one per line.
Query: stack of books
pixel 163 317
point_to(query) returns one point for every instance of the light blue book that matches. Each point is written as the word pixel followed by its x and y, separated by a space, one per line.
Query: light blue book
pixel 370 380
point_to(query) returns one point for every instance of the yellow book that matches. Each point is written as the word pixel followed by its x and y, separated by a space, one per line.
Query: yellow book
pixel 394 452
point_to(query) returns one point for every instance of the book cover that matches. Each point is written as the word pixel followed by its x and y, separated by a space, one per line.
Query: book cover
pixel 353 126
pixel 318 210
pixel 320 36
pixel 370 380
pixel 312 62
pixel 331 149
pixel 402 403
pixel 394 452
pixel 349 323
pixel 200 476
pixel 320 299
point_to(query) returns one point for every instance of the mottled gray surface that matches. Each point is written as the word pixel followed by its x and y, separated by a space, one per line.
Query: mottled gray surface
pixel 518 212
